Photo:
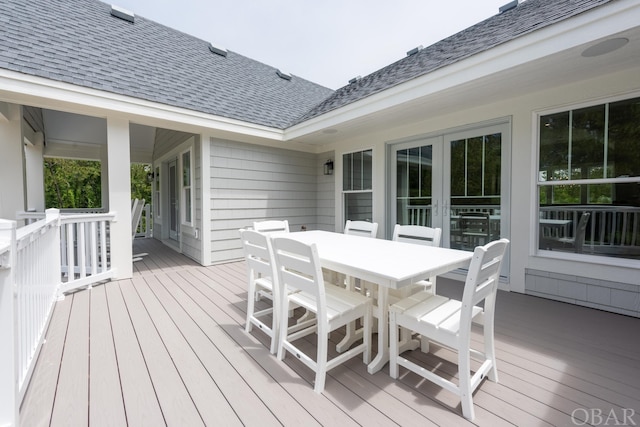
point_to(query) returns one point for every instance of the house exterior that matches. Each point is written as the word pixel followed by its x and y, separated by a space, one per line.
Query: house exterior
pixel 530 117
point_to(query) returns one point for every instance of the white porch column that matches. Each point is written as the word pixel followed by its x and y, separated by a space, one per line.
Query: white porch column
pixel 11 172
pixel 119 169
pixel 205 226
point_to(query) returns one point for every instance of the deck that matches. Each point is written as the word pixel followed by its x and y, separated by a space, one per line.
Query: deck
pixel 168 348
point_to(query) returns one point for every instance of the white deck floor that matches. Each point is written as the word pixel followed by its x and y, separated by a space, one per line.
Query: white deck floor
pixel 168 348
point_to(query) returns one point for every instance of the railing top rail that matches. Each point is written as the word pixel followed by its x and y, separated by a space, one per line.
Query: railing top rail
pixel 71 218
pixel 591 208
pixel 48 221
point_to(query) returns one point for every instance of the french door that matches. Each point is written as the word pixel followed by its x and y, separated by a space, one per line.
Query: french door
pixel 456 181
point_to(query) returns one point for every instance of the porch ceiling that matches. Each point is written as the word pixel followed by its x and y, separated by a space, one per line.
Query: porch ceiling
pixel 86 135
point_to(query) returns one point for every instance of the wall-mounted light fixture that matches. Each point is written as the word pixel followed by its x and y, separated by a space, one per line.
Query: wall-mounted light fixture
pixel 150 177
pixel 328 167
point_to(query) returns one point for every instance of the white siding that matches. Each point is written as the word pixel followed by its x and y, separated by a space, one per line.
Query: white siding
pixel 250 183
pixel 326 196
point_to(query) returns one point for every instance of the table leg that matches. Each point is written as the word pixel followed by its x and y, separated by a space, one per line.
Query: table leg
pixel 383 332
pixel 351 335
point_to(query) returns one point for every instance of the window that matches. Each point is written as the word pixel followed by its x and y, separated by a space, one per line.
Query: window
pixel 156 187
pixel 357 185
pixel 589 169
pixel 187 199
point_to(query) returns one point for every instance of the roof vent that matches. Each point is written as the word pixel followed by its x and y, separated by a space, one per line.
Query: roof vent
pixel 218 50
pixel 283 75
pixel 355 79
pixel 509 6
pixel 414 51
pixel 123 14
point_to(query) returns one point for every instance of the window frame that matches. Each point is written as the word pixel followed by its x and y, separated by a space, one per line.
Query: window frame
pixel 186 208
pixel 346 192
pixel 538 184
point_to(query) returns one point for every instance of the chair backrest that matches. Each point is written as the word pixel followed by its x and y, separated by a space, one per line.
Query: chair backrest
pixel 361 228
pixel 136 213
pixel 475 222
pixel 581 230
pixel 258 254
pixel 482 281
pixel 298 268
pixel 271 226
pixel 417 234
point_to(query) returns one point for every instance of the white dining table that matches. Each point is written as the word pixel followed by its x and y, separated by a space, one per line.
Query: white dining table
pixel 389 264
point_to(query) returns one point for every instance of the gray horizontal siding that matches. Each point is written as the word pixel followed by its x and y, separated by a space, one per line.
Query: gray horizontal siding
pixel 252 183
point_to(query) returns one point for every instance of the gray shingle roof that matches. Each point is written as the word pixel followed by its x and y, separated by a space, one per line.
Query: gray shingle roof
pixel 79 42
pixel 529 16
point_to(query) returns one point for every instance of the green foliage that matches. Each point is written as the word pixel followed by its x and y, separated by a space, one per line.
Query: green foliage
pixel 140 187
pixel 75 184
pixel 72 183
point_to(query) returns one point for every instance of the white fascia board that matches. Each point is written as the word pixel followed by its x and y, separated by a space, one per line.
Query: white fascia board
pixel 591 25
pixel 24 89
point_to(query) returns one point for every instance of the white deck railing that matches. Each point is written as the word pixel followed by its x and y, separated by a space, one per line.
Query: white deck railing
pixel 30 281
pixel 39 262
pixel 84 249
pixel 8 377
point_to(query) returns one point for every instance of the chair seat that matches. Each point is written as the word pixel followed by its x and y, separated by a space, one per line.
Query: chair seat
pixel 339 301
pixel 440 313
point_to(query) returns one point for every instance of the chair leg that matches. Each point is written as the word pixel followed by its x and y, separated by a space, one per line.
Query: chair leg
pixel 284 328
pixel 490 351
pixel 393 346
pixel 464 372
pixel 366 336
pixel 321 360
pixel 251 302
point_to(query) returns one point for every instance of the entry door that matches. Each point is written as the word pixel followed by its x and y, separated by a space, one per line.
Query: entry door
pixel 437 181
pixel 174 205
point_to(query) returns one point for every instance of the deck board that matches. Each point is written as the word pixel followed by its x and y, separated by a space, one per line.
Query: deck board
pixel 106 406
pixel 168 347
pixel 138 394
pixel 37 405
pixel 176 403
pixel 71 405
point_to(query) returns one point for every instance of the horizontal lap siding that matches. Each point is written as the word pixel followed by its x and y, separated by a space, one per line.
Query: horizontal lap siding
pixel 326 196
pixel 251 183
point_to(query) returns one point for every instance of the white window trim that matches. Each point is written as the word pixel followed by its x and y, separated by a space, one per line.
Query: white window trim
pixel 534 248
pixel 183 206
pixel 340 182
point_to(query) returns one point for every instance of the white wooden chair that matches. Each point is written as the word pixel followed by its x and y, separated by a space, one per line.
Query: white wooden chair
pixel 137 206
pixel 361 228
pixel 575 243
pixel 260 273
pixel 271 226
pixel 299 271
pixel 418 235
pixel 448 322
